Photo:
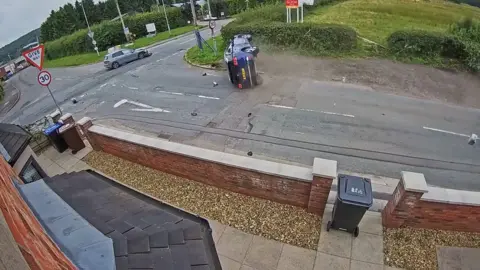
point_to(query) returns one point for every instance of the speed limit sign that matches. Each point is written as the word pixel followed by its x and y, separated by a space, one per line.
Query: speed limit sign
pixel 44 78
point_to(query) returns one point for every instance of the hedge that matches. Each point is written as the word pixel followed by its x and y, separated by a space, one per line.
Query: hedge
pixel 431 44
pixel 108 34
pixel 315 38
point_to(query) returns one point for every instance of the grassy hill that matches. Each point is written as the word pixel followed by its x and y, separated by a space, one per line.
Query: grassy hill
pixel 377 19
pixel 15 47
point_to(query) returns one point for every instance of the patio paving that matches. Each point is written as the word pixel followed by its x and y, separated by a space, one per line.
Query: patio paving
pixel 237 250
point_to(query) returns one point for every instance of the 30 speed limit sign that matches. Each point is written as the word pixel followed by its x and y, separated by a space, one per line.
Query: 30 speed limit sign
pixel 44 78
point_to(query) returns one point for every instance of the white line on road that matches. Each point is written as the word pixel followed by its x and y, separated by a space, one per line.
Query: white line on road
pixel 187 41
pixel 103 85
pixel 308 110
pixel 446 131
pixel 183 94
pixel 121 102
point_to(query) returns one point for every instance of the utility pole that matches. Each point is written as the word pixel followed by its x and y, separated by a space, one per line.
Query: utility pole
pixel 164 12
pixel 192 5
pixel 209 10
pixel 88 25
pixel 121 19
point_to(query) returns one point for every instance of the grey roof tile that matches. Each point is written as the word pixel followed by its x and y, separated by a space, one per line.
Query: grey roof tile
pixel 159 239
pixel 121 263
pixel 138 241
pixel 119 243
pixel 140 260
pixel 162 258
pixel 196 252
pixel 175 237
pixel 120 225
pixel 180 257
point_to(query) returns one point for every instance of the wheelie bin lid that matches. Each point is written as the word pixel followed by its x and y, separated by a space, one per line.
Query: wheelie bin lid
pixel 355 190
pixel 52 128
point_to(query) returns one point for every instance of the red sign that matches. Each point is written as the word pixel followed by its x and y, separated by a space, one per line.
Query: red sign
pixel 35 56
pixel 291 3
pixel 44 78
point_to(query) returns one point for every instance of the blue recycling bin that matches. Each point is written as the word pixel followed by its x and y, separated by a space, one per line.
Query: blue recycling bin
pixel 55 138
pixel 245 72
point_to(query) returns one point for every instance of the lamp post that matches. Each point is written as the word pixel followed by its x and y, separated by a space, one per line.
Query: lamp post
pixel 164 12
pixel 89 30
pixel 121 19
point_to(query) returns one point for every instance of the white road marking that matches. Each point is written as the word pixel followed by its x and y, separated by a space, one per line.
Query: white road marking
pixel 308 110
pixel 58 79
pixel 172 93
pixel 6 103
pixel 103 85
pixel 82 96
pixel 101 103
pixel 133 88
pixel 145 107
pixel 182 94
pixel 207 97
pixel 187 41
pixel 448 132
pixel 121 102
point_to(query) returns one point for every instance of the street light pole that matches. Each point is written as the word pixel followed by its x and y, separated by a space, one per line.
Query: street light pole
pixel 192 5
pixel 164 12
pixel 209 10
pixel 88 25
pixel 121 19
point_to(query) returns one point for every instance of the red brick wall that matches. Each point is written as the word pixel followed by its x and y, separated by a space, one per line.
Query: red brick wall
pixel 407 209
pixel 319 195
pixel 243 181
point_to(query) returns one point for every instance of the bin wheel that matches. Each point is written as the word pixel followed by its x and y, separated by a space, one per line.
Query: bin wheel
pixel 355 232
pixel 329 225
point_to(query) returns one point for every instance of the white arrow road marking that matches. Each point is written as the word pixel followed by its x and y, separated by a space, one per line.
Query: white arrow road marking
pixel 448 132
pixel 145 107
pixel 308 110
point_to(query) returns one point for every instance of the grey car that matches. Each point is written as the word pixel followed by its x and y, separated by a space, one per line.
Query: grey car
pixel 121 57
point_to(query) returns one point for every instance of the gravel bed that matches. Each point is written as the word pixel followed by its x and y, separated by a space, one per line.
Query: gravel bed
pixel 284 223
pixel 416 248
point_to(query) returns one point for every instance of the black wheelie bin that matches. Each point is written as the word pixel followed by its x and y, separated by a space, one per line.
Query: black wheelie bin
pixel 354 197
pixel 55 138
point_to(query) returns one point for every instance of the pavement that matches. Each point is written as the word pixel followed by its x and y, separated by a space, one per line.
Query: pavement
pixel 289 119
pixel 12 96
pixel 337 250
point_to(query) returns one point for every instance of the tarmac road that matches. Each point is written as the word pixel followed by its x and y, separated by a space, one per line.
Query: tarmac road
pixel 291 119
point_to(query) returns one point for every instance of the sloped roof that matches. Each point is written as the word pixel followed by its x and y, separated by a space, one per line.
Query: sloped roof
pixel 14 139
pixel 146 233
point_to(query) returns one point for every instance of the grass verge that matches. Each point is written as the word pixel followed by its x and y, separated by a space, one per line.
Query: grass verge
pixel 206 57
pixel 90 58
pixel 377 19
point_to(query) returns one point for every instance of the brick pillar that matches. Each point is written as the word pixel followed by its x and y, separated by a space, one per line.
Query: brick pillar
pixel 405 197
pixel 67 118
pixel 324 171
pixel 83 125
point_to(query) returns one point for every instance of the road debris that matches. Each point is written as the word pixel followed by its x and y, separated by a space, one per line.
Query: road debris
pixel 215 84
pixel 193 114
pixel 204 74
pixel 281 222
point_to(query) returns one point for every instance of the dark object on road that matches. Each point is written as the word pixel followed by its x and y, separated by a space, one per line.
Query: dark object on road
pixel 124 56
pixel 194 114
pixel 204 74
pixel 249 114
pixel 354 197
pixel 71 136
pixel 473 139
pixel 250 153
pixel 215 84
pixel 74 101
pixel 55 138
pixel 240 59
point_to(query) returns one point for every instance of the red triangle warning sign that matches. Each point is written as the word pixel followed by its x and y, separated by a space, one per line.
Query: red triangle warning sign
pixel 35 56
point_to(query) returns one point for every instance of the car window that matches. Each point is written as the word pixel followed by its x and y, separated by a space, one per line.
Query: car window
pixel 106 57
pixel 117 54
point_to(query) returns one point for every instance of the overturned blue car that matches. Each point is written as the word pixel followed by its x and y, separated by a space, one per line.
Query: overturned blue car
pixel 240 56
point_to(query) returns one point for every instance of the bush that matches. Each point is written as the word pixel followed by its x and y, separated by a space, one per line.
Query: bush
pixel 316 38
pixel 468 31
pixel 108 34
pixel 425 44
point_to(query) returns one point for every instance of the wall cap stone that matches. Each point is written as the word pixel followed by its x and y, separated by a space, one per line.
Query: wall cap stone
pixel 66 116
pixel 247 163
pixel 325 168
pixel 84 120
pixel 414 182
pixel 452 196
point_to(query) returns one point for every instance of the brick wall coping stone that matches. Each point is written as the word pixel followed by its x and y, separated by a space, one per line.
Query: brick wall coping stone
pixel 65 116
pixel 83 121
pixel 452 196
pixel 248 163
pixel 414 182
pixel 325 168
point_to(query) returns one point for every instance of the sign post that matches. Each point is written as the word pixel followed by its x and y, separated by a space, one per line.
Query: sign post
pixel 44 79
pixel 35 57
pixel 289 5
pixel 211 25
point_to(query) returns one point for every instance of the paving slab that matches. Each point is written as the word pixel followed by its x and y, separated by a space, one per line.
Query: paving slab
pixel 359 265
pixel 217 229
pixel 296 258
pixel 263 253
pixel 368 248
pixel 234 244
pixel 229 264
pixel 335 242
pixel 54 169
pixel 326 261
pixel 453 258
